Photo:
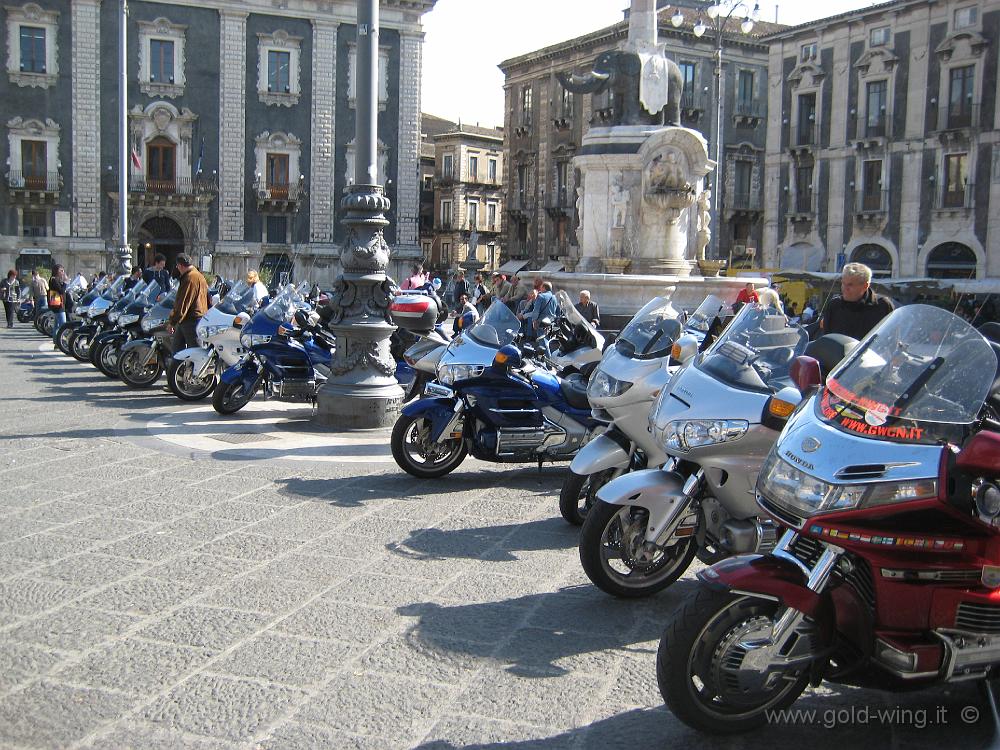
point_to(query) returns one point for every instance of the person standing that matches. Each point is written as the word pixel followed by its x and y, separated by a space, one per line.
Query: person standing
pixel 588 309
pixel 481 294
pixel 502 289
pixel 134 278
pixel 39 290
pixel 190 306
pixel 259 290
pixel 158 272
pixel 10 293
pixel 57 297
pixel 546 306
pixel 857 309
pixel 461 287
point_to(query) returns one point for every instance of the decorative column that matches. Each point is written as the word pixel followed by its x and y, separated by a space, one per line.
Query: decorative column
pixel 232 136
pixel 321 209
pixel 86 138
pixel 362 392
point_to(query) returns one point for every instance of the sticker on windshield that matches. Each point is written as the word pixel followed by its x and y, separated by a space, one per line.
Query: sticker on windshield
pixel 877 415
pixel 871 423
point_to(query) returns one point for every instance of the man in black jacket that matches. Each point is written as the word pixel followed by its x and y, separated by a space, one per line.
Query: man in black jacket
pixel 858 309
pixel 158 272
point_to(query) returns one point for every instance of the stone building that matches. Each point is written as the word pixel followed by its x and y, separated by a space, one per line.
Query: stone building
pixel 241 128
pixel 430 126
pixel 883 144
pixel 468 197
pixel 545 125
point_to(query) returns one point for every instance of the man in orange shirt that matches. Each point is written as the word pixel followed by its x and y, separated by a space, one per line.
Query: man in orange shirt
pixel 190 306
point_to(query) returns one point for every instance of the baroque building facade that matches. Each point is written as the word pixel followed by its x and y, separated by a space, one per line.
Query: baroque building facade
pixel 545 124
pixel 240 125
pixel 883 144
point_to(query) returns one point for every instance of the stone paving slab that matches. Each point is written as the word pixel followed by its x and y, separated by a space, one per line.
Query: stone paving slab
pixel 161 588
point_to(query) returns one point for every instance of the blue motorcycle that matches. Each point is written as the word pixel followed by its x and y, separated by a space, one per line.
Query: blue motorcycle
pixel 288 363
pixel 506 412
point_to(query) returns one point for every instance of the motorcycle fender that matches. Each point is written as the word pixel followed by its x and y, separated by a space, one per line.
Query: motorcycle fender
pixel 766 577
pixel 136 344
pixel 659 492
pixel 440 412
pixel 244 369
pixel 199 356
pixel 599 454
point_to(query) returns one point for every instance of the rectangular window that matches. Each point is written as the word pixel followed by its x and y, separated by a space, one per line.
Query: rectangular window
pixel 279 65
pixel 956 178
pixel 567 104
pixel 161 61
pixel 473 169
pixel 277 175
pixel 526 106
pixel 687 75
pixel 426 247
pixel 878 37
pixel 808 52
pixel 807 119
pixel 473 214
pixel 522 185
pixel 447 166
pixel 871 185
pixel 562 180
pixel 962 87
pixel 745 94
pixel 966 17
pixel 744 174
pixel 446 253
pixel 428 182
pixel 277 230
pixel 446 214
pixel 32 49
pixel 160 160
pixel 876 102
pixel 491 168
pixel 34 164
pixel 491 217
pixel 803 190
pixel 34 224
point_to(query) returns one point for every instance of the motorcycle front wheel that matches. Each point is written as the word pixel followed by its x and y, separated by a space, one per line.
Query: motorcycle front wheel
pixel 417 455
pixel 64 339
pixel 105 358
pixel 135 372
pixel 229 398
pixel 46 324
pixel 699 664
pixel 610 543
pixel 183 384
pixel 579 493
pixel 79 346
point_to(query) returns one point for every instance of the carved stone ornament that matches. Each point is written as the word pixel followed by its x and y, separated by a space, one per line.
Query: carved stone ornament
pixel 883 55
pixel 806 75
pixel 362 354
pixel 965 44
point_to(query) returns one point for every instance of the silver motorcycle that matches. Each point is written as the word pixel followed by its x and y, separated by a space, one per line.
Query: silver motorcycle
pixel 716 419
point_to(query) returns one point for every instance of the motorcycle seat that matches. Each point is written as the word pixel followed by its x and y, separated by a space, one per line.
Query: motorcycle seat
pixel 574 390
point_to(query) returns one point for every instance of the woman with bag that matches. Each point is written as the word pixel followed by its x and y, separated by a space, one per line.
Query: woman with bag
pixel 10 293
pixel 57 297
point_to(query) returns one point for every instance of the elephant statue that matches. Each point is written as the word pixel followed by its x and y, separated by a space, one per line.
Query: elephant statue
pixel 617 73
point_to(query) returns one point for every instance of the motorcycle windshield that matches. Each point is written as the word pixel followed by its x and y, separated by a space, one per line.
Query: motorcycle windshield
pixel 497 328
pixel 149 293
pixel 114 291
pixel 917 375
pixel 284 305
pixel 240 299
pixel 652 332
pixel 756 350
pixel 711 308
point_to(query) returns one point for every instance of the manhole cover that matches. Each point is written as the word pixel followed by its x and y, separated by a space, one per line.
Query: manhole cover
pixel 238 438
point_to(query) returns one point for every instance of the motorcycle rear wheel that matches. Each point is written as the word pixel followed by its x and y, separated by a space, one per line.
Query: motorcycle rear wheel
pixel 601 544
pixel 45 323
pixel 229 398
pixel 699 660
pixel 64 339
pixel 105 359
pixel 79 346
pixel 414 454
pixel 579 493
pixel 134 372
pixel 185 387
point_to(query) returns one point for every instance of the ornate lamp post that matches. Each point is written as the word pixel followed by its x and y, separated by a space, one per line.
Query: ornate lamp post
pixel 362 391
pixel 718 20
pixel 124 251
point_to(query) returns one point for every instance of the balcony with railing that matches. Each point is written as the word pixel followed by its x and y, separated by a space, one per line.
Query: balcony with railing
pixel 805 136
pixel 558 203
pixel 877 127
pixel 960 116
pixel 158 191
pixel 802 206
pixel 445 176
pixel 745 202
pixel 871 203
pixel 692 105
pixel 521 204
pixel 278 196
pixel 748 112
pixel 43 185
pixel 955 199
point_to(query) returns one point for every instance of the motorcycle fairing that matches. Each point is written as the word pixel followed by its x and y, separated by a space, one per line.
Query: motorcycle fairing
pixel 246 370
pixel 437 409
pixel 766 576
pixel 199 357
pixel 136 344
pixel 659 492
pixel 601 453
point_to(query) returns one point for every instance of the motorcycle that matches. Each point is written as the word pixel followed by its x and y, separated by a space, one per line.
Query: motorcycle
pixel 570 344
pixel 94 320
pixel 508 411
pixel 26 307
pixel 716 419
pixel 78 301
pixel 286 368
pixel 124 317
pixel 621 392
pixel 142 361
pixel 196 369
pixel 887 575
pixel 419 341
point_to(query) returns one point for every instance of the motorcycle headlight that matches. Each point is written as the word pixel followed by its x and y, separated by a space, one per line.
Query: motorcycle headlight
pixel 207 332
pixel 686 434
pixel 114 315
pixel 602 385
pixel 787 486
pixel 127 320
pixel 449 374
pixel 248 340
pixel 149 324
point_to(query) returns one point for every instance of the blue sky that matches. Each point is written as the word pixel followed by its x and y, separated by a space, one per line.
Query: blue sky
pixel 466 39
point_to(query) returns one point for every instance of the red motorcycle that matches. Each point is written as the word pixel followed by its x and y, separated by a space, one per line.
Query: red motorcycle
pixel 888 573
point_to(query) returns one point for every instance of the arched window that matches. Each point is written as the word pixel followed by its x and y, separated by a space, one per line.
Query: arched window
pixel 875 257
pixel 952 260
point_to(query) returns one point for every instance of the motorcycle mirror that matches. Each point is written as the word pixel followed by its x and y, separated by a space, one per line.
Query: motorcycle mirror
pixel 780 407
pixel 509 356
pixel 684 348
pixel 979 456
pixel 302 318
pixel 805 373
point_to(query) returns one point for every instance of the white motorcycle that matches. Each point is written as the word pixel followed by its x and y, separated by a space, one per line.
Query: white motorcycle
pixel 571 344
pixel 195 371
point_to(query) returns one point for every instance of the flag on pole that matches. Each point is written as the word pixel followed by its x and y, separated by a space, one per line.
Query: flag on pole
pixel 136 161
pixel 201 157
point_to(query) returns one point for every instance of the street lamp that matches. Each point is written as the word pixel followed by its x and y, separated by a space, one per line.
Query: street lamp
pixel 718 21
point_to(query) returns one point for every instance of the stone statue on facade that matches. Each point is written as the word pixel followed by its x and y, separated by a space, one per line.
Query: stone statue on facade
pixel 704 222
pixel 619 202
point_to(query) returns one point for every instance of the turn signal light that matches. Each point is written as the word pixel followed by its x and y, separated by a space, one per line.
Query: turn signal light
pixel 781 409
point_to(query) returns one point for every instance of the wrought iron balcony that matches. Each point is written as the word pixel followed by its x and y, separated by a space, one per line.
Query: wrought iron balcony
pixel 962 115
pixel 277 195
pixel 558 203
pixel 955 199
pixel 806 135
pixel 746 202
pixel 521 204
pixel 877 127
pixel 748 112
pixel 872 202
pixel 34 182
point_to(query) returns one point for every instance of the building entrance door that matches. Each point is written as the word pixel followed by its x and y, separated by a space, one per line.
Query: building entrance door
pixel 160 234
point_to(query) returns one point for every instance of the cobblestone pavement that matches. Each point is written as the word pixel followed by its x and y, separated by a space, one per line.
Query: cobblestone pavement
pixel 154 595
